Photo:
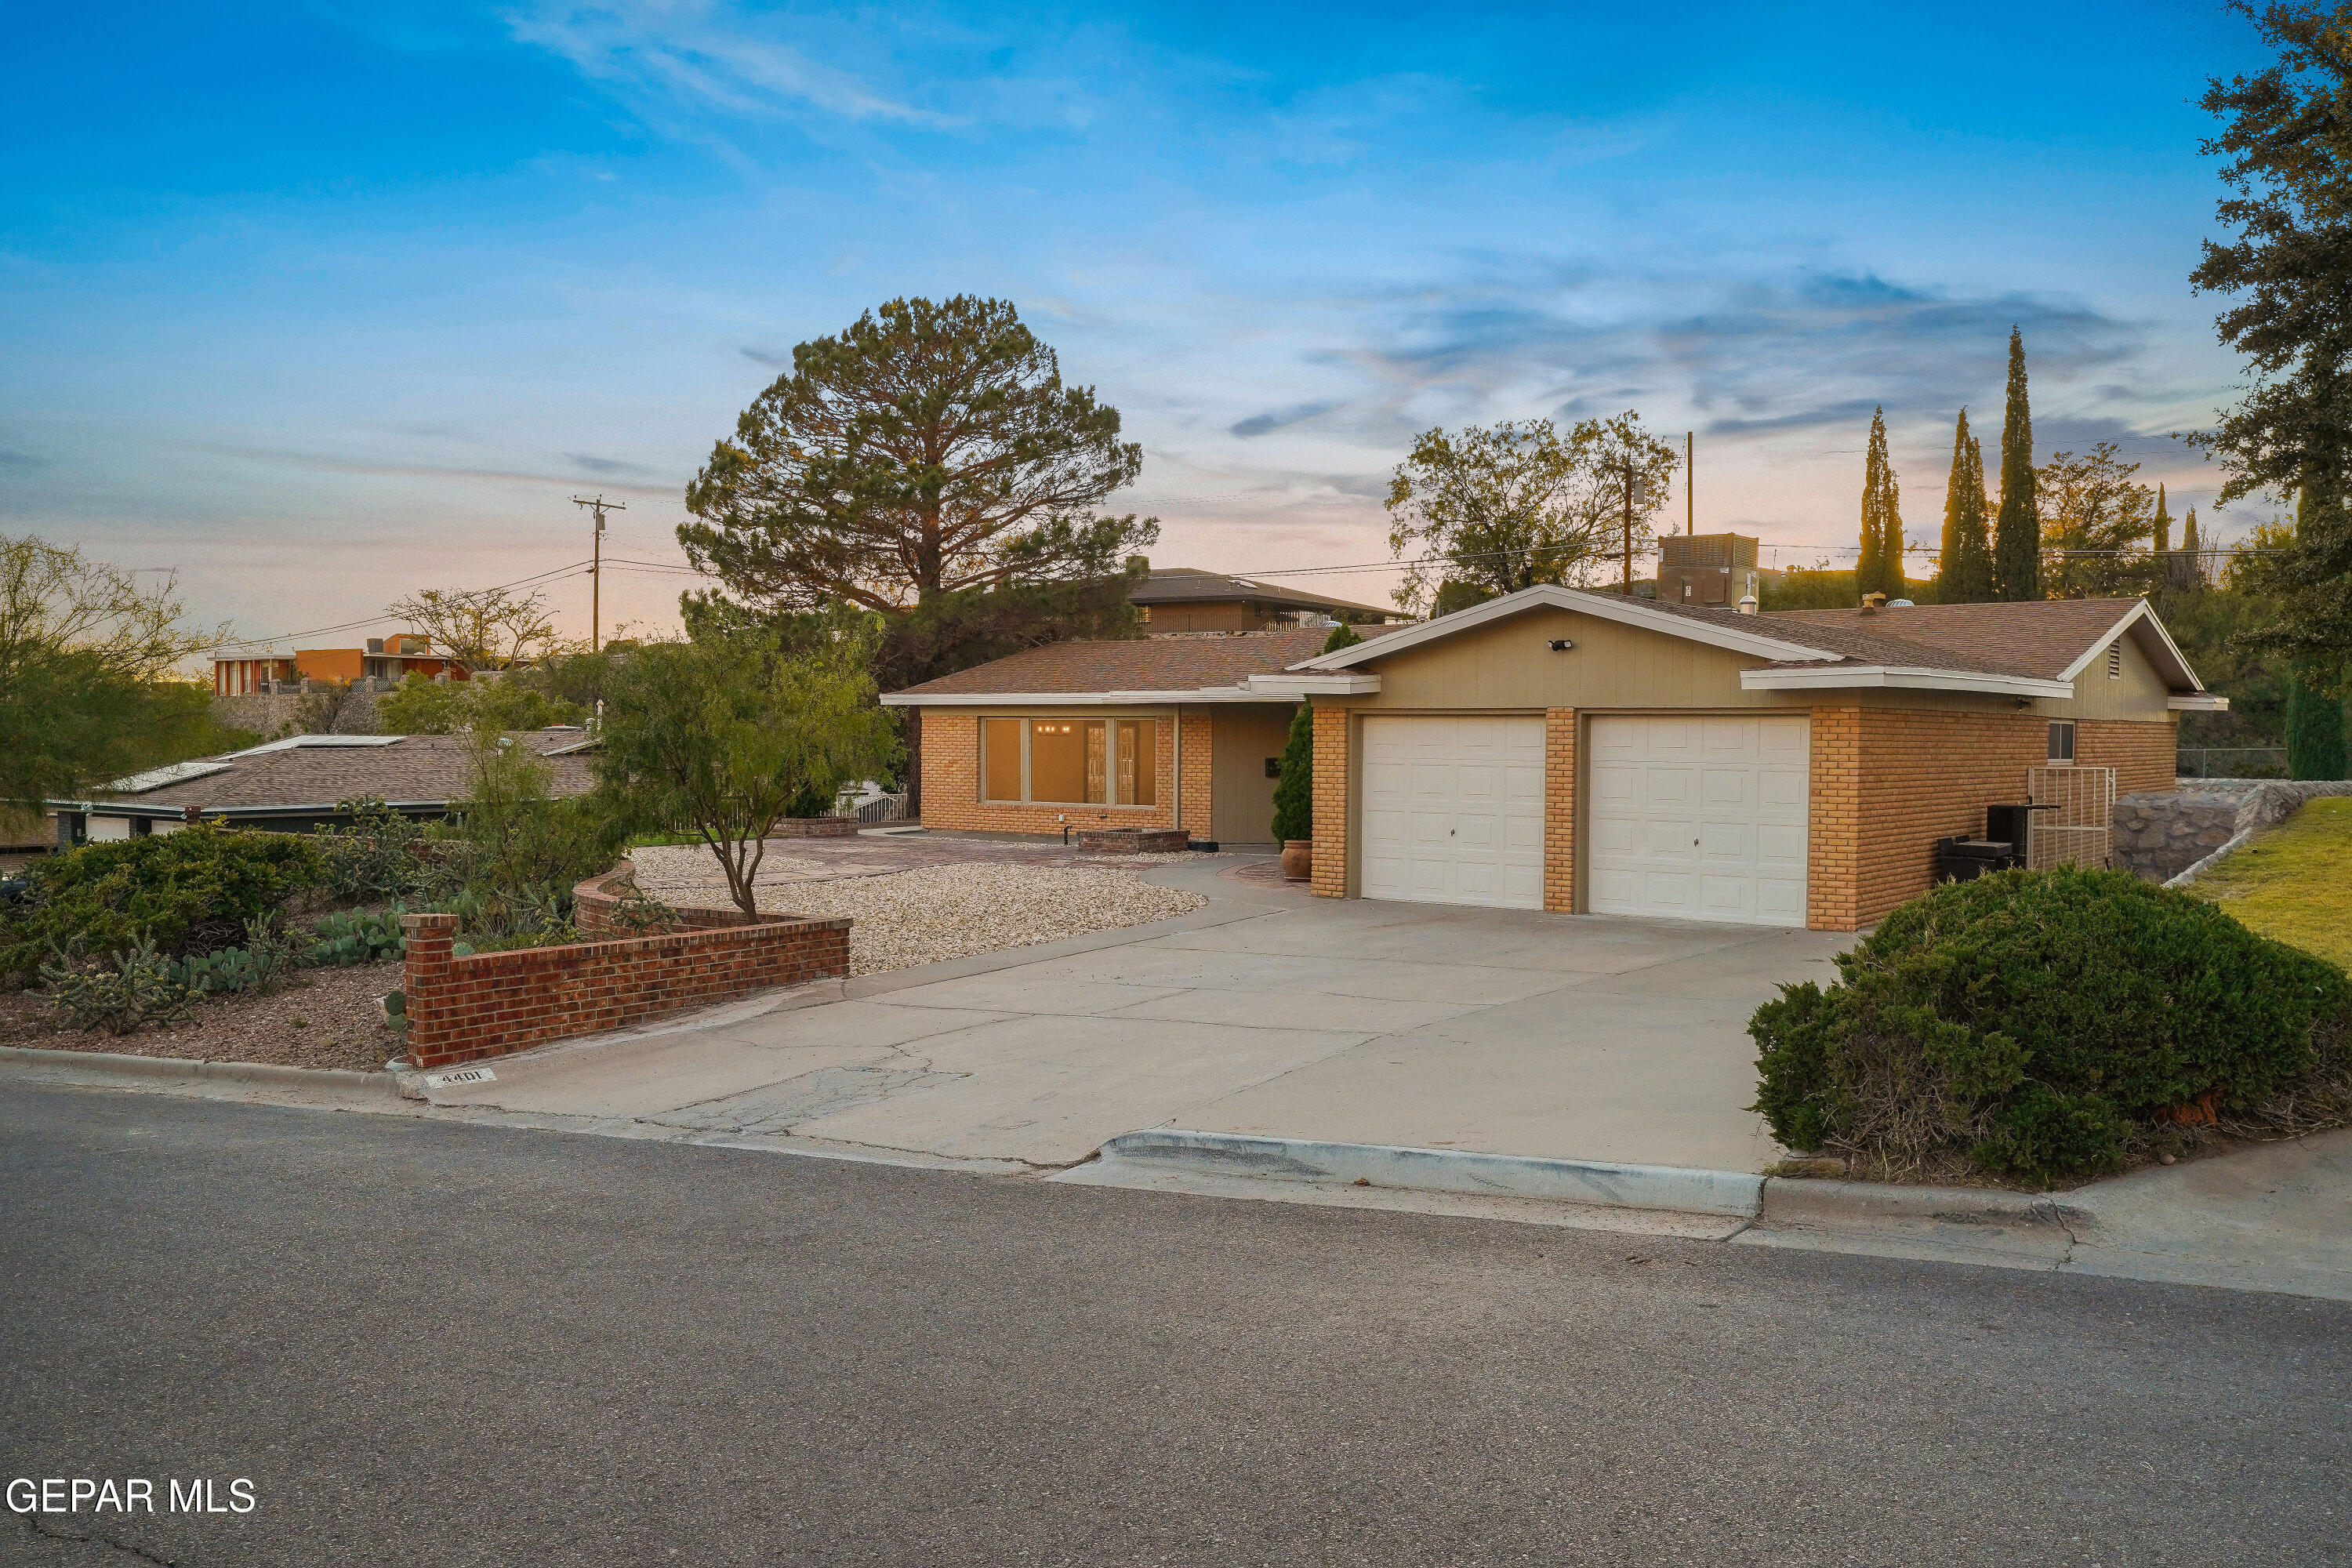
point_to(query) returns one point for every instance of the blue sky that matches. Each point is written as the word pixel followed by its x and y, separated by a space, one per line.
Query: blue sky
pixel 323 303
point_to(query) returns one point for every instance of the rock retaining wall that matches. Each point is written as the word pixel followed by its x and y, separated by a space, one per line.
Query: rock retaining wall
pixel 2166 836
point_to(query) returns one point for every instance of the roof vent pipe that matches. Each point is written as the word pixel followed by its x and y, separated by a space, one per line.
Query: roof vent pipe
pixel 1748 606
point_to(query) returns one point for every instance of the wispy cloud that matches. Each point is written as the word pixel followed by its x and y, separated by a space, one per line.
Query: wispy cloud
pixel 700 56
pixel 1264 424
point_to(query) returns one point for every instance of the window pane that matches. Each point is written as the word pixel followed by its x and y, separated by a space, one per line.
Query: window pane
pixel 2062 741
pixel 999 744
pixel 1058 761
pixel 1139 761
pixel 1096 768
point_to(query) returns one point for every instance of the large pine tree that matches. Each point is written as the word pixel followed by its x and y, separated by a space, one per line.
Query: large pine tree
pixel 2017 536
pixel 1879 568
pixel 1964 566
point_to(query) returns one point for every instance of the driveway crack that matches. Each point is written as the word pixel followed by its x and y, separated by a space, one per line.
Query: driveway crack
pixel 40 1527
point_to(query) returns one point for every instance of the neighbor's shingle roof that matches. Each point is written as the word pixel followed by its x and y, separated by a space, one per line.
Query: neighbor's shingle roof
pixel 2036 636
pixel 1186 585
pixel 413 768
pixel 1153 664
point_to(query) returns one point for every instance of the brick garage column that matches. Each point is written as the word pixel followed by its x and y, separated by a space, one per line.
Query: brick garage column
pixel 425 984
pixel 1559 810
pixel 1330 880
pixel 1833 835
pixel 1192 734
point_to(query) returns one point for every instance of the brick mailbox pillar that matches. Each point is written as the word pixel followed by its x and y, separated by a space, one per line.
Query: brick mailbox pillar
pixel 425 982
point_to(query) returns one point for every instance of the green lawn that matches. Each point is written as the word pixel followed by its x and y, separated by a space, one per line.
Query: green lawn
pixel 2293 882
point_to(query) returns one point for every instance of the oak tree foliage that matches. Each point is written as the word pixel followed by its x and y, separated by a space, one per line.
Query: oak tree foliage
pixel 1491 510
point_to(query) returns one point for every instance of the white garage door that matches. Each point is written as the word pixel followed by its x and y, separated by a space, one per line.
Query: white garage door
pixel 1699 818
pixel 1453 811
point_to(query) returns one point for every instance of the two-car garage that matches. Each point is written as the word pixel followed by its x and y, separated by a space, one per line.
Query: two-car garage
pixel 1700 816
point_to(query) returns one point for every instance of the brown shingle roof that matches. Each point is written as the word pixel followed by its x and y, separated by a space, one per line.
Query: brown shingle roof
pixel 1155 664
pixel 413 768
pixel 2036 636
pixel 1187 585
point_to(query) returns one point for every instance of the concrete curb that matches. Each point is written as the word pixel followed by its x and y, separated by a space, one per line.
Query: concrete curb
pixel 1844 1203
pixel 183 1069
pixel 1676 1188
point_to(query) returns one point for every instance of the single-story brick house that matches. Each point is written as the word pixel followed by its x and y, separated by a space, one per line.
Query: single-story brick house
pixel 1574 750
pixel 299 785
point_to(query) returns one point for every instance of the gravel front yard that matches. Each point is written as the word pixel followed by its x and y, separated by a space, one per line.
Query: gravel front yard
pixel 952 911
pixel 335 1021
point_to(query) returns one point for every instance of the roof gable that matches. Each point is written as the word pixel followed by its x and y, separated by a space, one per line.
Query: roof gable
pixel 2025 649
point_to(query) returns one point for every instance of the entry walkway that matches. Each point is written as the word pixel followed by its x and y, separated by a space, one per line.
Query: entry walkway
pixel 1266 1012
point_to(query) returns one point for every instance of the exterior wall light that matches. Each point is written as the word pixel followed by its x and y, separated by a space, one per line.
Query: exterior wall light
pixel 1561 645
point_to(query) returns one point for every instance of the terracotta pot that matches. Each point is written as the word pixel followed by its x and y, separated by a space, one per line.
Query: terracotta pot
pixel 1298 859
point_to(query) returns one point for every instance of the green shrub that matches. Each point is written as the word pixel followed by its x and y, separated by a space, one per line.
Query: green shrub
pixel 136 989
pixel 381 855
pixel 186 893
pixel 1294 790
pixel 2046 1023
pixel 508 862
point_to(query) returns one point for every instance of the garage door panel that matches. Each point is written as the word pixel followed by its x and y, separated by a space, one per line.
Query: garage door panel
pixel 1705 817
pixel 1469 828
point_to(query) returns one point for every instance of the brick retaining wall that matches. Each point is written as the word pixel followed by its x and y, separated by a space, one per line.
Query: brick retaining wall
pixel 493 1003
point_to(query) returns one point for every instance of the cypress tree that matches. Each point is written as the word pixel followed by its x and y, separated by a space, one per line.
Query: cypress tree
pixel 2017 536
pixel 1878 569
pixel 2189 548
pixel 2163 524
pixel 2315 716
pixel 1964 568
pixel 2315 726
pixel 1294 792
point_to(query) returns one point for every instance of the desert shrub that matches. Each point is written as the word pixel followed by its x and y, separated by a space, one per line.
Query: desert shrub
pixel 136 987
pixel 637 912
pixel 508 862
pixel 2047 1024
pixel 186 893
pixel 265 962
pixel 381 855
pixel 340 941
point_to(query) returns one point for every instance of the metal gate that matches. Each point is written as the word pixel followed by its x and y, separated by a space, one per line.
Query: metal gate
pixel 2077 823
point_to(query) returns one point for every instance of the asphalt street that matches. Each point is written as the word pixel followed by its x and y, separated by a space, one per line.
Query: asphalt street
pixel 429 1343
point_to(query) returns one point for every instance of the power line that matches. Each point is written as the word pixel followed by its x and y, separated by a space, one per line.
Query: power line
pixel 536 577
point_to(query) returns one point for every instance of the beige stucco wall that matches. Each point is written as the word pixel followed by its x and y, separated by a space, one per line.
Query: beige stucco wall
pixel 1242 736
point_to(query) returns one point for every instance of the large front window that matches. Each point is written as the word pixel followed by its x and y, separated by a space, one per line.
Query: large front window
pixel 1070 762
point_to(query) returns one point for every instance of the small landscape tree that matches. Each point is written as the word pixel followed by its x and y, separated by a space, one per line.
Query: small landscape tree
pixel 482 628
pixel 1294 793
pixel 723 734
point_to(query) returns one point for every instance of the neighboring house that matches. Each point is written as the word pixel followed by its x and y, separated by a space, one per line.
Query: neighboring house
pixel 1181 599
pixel 386 659
pixel 1709 570
pixel 1573 751
pixel 295 785
pixel 1111 733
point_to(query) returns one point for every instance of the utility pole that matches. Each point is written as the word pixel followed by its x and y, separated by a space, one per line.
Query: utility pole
pixel 600 506
pixel 1637 492
pixel 1690 483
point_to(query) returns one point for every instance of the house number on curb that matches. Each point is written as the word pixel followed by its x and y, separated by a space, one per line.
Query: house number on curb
pixel 471 1075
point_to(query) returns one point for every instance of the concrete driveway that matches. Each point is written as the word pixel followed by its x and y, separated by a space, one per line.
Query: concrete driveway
pixel 1266 1012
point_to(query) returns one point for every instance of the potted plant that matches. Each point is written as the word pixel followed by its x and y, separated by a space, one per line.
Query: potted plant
pixel 1294 799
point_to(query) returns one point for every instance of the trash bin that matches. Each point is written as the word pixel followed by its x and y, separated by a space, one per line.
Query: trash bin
pixel 1965 859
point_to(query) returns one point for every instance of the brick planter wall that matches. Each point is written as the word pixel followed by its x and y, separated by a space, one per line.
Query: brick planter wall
pixel 493 1003
pixel 817 827
pixel 593 902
